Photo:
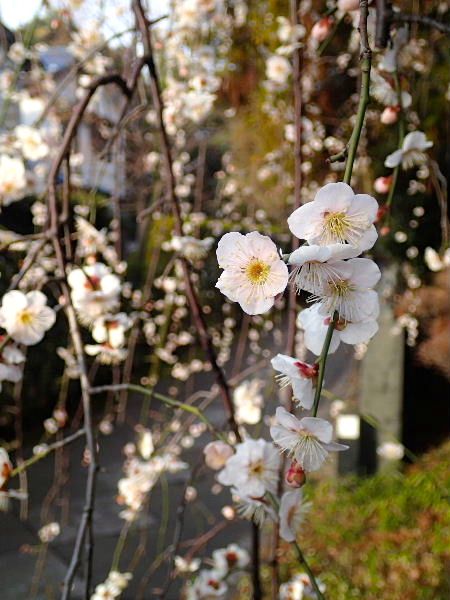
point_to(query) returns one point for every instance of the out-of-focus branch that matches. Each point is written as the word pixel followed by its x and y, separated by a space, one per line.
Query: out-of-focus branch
pixel 172 200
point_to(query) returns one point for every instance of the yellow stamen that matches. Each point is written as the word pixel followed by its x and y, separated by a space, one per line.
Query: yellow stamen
pixel 337 226
pixel 25 317
pixel 257 271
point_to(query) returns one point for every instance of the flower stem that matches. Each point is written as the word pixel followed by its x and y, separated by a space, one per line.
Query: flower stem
pixel 307 568
pixel 322 360
pixel 364 98
pixel 401 135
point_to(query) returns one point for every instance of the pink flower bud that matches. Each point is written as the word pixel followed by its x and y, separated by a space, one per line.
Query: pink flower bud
pixel 295 476
pixel 384 231
pixel 321 29
pixel 382 185
pixel 217 454
pixel 390 115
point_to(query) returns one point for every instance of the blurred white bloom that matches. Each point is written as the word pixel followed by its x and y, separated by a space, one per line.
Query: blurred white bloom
pixel 297 374
pixel 253 271
pixel 106 354
pixel 216 454
pixel 336 215
pixel 10 358
pixel 382 185
pixel 26 317
pixel 253 469
pixel 385 93
pixel 389 116
pixel 391 451
pixel 5 468
pixel 321 29
pixel 434 262
pixel 110 329
pixel 183 566
pixel 278 69
pixel 229 558
pixel 95 291
pixel 292 590
pixel 248 402
pixel 49 532
pixel 30 142
pixel 412 152
pixel 209 584
pixel 190 247
pixel 12 179
pixel 292 514
pixel 348 5
pixel 308 440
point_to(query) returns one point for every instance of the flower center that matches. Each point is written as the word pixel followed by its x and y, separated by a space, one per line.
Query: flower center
pixel 26 317
pixel 336 226
pixel 257 271
pixel 257 468
pixel 341 287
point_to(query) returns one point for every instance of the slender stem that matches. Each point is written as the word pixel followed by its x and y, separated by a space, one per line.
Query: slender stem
pixel 307 568
pixel 364 98
pixel 322 360
pixel 37 457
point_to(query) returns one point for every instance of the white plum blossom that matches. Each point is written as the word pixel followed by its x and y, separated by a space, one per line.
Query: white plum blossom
pixel 297 374
pixel 292 590
pixel 10 359
pixel 184 566
pixel 191 247
pixel 386 94
pixel 313 265
pixel 113 587
pixel 106 354
pixel 208 584
pixel 336 215
pixel 253 469
pixel 412 153
pixel 434 262
pixel 315 326
pixel 254 509
pixel 13 180
pixel 26 317
pixel 94 290
pixel 254 273
pixel 216 454
pixel 232 557
pixel 110 329
pixel 292 513
pixel 308 440
pixel 31 143
pixel 349 291
pixel 278 69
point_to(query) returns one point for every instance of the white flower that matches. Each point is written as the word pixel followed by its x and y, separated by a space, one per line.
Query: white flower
pixel 30 142
pixel 253 271
pixel 183 566
pixel 10 358
pixel 190 247
pixel 391 451
pixel 313 265
pixel 292 590
pixel 106 354
pixel 5 468
pixel 336 215
pixel 308 440
pixel 12 179
pixel 209 584
pixel 315 327
pixel 278 69
pixel 95 291
pixel 412 152
pixel 349 291
pixel 299 375
pixel 229 558
pixel 253 469
pixel 110 329
pixel 26 317
pixel 253 509
pixel 106 591
pixel 248 402
pixel 197 104
pixel 49 532
pixel 383 91
pixel 119 580
pixel 216 454
pixel 292 514
pixel 434 262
